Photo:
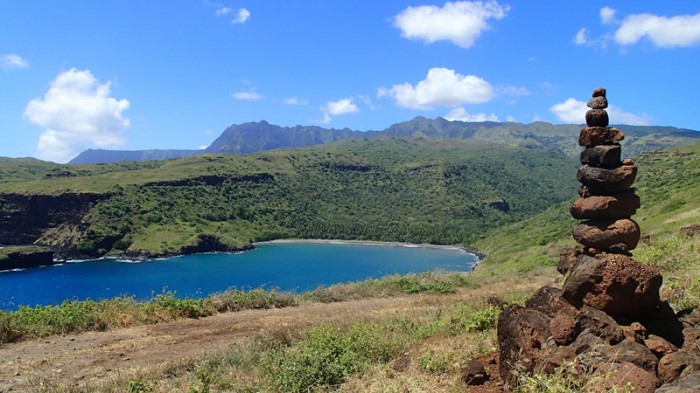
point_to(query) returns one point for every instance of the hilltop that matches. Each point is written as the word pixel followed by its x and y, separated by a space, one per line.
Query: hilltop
pixel 260 136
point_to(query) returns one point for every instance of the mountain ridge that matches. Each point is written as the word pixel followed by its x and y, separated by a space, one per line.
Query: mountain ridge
pixel 252 137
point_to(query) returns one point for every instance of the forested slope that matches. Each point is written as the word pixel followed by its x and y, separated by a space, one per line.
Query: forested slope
pixel 389 189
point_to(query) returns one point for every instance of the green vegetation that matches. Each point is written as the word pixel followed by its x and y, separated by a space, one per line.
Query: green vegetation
pixel 80 316
pixel 667 184
pixel 387 189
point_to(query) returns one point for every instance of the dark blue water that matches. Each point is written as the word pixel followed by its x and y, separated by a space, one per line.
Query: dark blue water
pixel 285 266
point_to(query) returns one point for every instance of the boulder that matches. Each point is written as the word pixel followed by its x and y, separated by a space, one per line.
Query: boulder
pixel 672 365
pixel 606 206
pixel 568 256
pixel 600 324
pixel 619 236
pixel 594 136
pixel 564 329
pixel 474 373
pixel 597 118
pixel 689 382
pixel 659 346
pixel 615 284
pixel 603 156
pixel 599 92
pixel 609 377
pixel 597 103
pixel 635 353
pixel 603 181
pixel 548 300
pixel 522 336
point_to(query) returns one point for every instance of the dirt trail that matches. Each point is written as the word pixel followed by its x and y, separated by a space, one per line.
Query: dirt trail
pixel 96 356
pixel 70 359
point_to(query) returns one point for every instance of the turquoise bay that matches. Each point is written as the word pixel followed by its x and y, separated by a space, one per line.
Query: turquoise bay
pixel 287 266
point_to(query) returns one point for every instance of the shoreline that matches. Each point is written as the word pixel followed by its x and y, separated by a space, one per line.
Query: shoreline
pixel 478 255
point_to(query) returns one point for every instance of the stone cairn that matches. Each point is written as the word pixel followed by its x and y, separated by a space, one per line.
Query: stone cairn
pixel 608 324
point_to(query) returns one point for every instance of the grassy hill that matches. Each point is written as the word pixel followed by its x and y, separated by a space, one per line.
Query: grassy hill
pixel 668 185
pixel 389 189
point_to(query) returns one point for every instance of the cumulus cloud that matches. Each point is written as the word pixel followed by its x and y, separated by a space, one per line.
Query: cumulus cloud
pixel 77 112
pixel 663 32
pixel 296 101
pixel 334 108
pixel 580 38
pixel 250 95
pixel 13 62
pixel 340 107
pixel 442 87
pixel 574 111
pixel 461 114
pixel 242 16
pixel 460 22
pixel 607 15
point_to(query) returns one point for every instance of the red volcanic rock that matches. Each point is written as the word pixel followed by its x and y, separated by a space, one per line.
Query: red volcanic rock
pixel 605 207
pixel 474 373
pixel 597 118
pixel 599 92
pixel 522 335
pixel 594 136
pixel 598 103
pixel 672 365
pixel 603 156
pixel 609 377
pixel 601 181
pixel 600 324
pixel 618 236
pixel 564 329
pixel 614 284
pixel 659 347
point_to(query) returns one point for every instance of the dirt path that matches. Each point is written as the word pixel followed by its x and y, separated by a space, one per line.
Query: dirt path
pixel 97 355
pixel 94 356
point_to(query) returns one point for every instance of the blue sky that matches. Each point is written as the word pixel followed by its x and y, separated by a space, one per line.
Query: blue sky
pixel 134 74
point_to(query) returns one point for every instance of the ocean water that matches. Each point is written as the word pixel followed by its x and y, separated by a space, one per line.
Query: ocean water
pixel 284 266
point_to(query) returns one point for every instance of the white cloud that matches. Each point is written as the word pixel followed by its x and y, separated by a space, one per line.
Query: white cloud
pixel 223 11
pixel 663 32
pixel 296 101
pixel 460 114
pixel 340 107
pixel 242 16
pixel 574 111
pixel 13 62
pixel 461 22
pixel 580 38
pixel 607 15
pixel 77 112
pixel 511 119
pixel 441 87
pixel 570 111
pixel 250 95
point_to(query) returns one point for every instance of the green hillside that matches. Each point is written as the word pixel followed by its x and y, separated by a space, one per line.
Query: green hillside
pixel 389 189
pixel 668 185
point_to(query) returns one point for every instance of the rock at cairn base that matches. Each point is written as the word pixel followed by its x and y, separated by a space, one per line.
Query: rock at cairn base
pixel 615 284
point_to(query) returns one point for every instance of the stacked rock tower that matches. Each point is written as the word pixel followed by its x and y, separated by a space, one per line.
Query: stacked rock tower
pixel 607 200
pixel 607 322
